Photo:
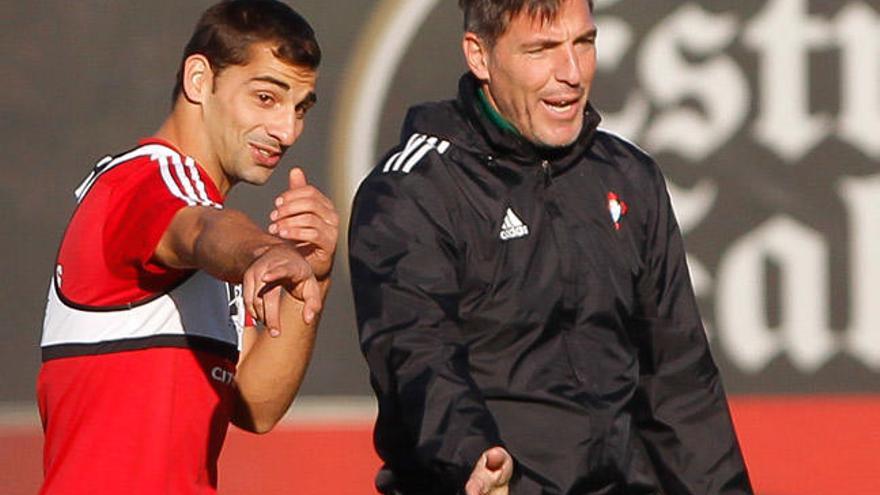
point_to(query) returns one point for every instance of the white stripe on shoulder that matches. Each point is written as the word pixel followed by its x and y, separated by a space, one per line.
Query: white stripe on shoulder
pixel 199 184
pixel 107 163
pixel 413 143
pixel 91 178
pixel 193 188
pixel 167 177
pixel 415 150
pixel 416 143
pixel 185 172
pixel 430 144
pixel 183 179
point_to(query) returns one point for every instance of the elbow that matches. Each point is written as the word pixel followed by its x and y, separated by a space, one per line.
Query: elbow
pixel 263 427
pixel 255 419
pixel 258 426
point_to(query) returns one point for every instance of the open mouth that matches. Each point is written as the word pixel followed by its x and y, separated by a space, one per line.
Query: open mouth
pixel 265 156
pixel 561 106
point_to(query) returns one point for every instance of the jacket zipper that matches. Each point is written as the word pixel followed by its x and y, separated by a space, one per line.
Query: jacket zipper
pixel 561 237
pixel 548 172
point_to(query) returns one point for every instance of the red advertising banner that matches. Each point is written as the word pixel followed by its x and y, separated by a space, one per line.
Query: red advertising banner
pixel 794 445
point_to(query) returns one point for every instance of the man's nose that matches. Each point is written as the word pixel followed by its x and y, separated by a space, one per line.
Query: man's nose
pixel 283 127
pixel 568 68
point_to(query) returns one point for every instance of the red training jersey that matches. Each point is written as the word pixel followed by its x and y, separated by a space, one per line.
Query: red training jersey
pixel 135 391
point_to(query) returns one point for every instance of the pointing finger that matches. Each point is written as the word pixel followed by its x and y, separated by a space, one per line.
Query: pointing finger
pixel 311 300
pixel 271 308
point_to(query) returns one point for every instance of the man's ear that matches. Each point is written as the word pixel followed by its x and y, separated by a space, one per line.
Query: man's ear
pixel 198 78
pixel 476 54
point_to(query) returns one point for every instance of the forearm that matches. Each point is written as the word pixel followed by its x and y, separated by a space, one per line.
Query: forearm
pixel 228 243
pixel 272 370
pixel 221 242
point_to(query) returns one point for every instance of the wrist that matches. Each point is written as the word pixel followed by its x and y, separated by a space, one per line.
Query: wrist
pixel 265 246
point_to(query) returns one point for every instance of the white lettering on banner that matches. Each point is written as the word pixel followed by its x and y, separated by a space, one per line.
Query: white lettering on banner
pixel 718 84
pixel 741 315
pixel 802 254
pixel 858 30
pixel 862 199
pixel 692 205
pixel 691 96
pixel 783 35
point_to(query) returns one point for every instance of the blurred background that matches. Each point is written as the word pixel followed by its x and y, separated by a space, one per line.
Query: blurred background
pixel 764 116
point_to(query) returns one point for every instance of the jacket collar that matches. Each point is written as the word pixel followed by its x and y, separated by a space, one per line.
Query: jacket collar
pixel 500 143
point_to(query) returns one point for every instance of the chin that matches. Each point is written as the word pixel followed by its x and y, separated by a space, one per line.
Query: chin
pixel 558 140
pixel 559 136
pixel 257 178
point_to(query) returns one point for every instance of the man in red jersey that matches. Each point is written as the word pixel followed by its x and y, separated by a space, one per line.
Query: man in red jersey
pixel 147 351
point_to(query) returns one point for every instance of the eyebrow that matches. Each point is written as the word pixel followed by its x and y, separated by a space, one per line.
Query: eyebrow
pixel 591 33
pixel 271 80
pixel 309 100
pixel 550 42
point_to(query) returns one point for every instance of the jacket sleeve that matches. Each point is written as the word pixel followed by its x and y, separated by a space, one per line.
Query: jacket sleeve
pixel 404 271
pixel 684 421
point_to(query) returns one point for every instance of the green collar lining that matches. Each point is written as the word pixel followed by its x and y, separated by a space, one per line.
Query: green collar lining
pixel 493 114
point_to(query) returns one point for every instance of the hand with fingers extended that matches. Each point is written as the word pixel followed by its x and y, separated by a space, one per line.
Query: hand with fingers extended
pixel 492 473
pixel 280 267
pixel 305 216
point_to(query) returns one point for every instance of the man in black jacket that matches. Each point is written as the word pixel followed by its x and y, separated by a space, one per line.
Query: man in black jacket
pixel 521 288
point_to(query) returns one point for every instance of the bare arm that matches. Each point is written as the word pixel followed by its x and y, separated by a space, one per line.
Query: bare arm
pixel 271 369
pixel 279 288
pixel 229 246
pixel 221 242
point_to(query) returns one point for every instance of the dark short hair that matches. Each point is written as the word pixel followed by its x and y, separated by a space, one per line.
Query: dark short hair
pixel 226 31
pixel 489 19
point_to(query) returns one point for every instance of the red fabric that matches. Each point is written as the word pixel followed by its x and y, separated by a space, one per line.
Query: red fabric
pixel 810 445
pixel 137 422
pixel 793 445
pixel 106 254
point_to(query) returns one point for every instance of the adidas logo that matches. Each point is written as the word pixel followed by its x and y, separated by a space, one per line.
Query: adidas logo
pixel 513 227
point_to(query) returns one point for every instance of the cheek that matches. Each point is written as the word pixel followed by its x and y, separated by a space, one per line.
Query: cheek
pixel 525 84
pixel 588 67
pixel 534 78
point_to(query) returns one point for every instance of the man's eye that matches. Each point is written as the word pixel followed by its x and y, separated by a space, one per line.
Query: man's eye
pixel 265 98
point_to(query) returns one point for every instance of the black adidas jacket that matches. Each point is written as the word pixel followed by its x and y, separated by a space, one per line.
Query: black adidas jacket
pixel 500 303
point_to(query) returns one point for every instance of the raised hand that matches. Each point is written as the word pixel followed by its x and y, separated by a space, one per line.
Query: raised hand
pixel 491 475
pixel 280 267
pixel 305 216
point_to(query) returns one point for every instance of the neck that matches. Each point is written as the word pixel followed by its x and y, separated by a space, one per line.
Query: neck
pixel 184 129
pixel 490 110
